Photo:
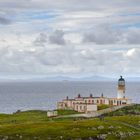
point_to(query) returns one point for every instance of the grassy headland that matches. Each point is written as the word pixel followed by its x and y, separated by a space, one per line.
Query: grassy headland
pixel 35 125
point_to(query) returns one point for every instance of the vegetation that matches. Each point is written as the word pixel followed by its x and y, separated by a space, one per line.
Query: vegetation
pixel 128 110
pixel 67 112
pixel 35 125
pixel 100 107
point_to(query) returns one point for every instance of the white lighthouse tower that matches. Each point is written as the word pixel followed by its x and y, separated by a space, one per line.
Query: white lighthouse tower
pixel 121 88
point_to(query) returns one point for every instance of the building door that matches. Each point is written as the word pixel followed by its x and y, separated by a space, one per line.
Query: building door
pixel 100 101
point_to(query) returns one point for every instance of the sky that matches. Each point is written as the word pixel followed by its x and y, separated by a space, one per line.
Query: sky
pixel 70 37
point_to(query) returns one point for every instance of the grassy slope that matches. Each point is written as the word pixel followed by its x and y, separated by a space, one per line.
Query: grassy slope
pixel 67 112
pixel 100 107
pixel 129 110
pixel 31 125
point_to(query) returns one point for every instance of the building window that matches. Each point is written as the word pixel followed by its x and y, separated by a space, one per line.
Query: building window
pixel 123 102
pixel 84 108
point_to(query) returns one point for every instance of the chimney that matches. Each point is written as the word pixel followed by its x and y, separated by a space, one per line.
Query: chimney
pixel 102 95
pixel 67 98
pixel 90 96
pixel 79 96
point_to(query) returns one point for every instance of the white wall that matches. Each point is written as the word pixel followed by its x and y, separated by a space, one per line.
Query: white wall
pixel 91 107
pixel 52 113
pixel 121 94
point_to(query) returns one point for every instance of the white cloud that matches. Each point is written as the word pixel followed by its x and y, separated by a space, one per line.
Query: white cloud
pixel 131 52
pixel 69 59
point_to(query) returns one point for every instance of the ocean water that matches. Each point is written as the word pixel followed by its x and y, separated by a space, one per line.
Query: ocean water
pixel 45 95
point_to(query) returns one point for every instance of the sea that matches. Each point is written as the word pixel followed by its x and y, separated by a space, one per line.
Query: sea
pixel 45 95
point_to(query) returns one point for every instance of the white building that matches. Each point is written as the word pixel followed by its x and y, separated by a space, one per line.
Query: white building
pixel 86 104
pixel 52 113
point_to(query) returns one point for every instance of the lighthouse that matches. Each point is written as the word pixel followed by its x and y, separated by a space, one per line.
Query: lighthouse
pixel 121 88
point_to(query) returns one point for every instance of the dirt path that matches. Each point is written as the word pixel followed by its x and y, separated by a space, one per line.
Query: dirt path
pixel 125 124
pixel 92 114
pixel 129 125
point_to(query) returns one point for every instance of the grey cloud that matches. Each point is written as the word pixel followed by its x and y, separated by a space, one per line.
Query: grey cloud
pixel 101 35
pixel 66 4
pixel 101 57
pixel 107 35
pixel 4 21
pixel 133 36
pixel 41 40
pixel 57 37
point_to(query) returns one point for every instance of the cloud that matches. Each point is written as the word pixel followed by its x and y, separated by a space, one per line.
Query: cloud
pixel 133 36
pixel 130 52
pixel 57 37
pixel 41 40
pixel 104 34
pixel 66 4
pixel 4 21
pixel 69 59
pixel 101 35
pixel 69 37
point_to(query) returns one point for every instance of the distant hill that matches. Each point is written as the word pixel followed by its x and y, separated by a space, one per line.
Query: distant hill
pixel 64 78
pixel 88 78
pixel 96 78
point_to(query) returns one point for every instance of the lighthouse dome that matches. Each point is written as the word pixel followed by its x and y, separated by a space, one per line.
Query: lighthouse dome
pixel 121 79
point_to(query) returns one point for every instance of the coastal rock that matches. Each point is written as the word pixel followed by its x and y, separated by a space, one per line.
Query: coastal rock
pixel 111 127
pixel 101 127
pixel 119 127
pixel 20 137
pixel 93 128
pixel 102 136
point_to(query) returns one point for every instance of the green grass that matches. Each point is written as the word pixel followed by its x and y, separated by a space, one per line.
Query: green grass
pixel 30 125
pixel 66 128
pixel 100 107
pixel 128 110
pixel 22 117
pixel 67 112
